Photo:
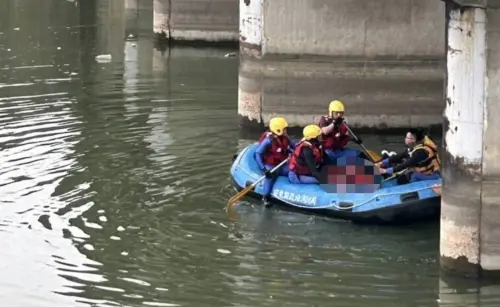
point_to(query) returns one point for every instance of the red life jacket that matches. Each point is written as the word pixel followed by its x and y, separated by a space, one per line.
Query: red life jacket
pixel 295 161
pixel 338 138
pixel 278 152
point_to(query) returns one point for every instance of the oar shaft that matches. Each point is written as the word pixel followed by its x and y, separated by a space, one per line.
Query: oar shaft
pixel 272 171
pixel 396 174
pixel 247 189
pixel 360 144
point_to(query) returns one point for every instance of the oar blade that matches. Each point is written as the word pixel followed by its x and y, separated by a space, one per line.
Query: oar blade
pixel 242 193
pixel 375 157
pixel 239 195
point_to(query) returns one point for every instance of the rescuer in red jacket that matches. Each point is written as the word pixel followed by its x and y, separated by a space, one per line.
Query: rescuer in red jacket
pixel 307 157
pixel 274 147
pixel 335 133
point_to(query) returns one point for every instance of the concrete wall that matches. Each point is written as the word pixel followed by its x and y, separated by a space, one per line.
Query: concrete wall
pixel 470 215
pixel 353 28
pixel 383 58
pixel 204 20
pixel 139 16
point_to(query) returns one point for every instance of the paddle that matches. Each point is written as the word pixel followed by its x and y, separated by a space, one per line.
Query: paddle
pixel 373 155
pixel 250 187
pixel 396 174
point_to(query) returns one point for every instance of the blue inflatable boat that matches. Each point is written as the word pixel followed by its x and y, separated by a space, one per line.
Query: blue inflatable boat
pixel 389 204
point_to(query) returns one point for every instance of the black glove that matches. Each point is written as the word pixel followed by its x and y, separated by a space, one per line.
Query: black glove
pixel 268 173
pixel 357 140
pixel 339 121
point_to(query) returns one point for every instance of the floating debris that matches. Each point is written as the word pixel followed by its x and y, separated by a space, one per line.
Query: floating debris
pixel 103 58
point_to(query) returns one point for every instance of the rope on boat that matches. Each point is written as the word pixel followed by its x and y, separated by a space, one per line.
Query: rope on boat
pixel 332 204
pixel 374 197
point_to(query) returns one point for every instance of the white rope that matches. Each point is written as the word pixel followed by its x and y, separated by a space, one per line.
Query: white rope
pixel 374 197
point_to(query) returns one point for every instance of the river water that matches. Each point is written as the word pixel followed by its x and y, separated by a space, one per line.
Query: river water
pixel 114 177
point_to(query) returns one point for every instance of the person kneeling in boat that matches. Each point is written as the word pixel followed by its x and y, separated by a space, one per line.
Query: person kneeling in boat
pixel 335 133
pixel 307 157
pixel 274 148
pixel 421 155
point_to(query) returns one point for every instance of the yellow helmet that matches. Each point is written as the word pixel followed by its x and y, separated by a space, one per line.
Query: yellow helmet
pixel 277 125
pixel 311 132
pixel 336 106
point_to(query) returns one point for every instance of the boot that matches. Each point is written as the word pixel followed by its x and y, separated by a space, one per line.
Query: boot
pixel 266 201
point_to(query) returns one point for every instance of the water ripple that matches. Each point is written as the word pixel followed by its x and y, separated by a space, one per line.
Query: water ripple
pixel 114 178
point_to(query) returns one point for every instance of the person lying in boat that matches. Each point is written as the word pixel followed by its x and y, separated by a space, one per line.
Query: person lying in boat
pixel 274 147
pixel 307 157
pixel 335 133
pixel 421 156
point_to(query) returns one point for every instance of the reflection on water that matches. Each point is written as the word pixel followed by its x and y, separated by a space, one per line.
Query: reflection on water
pixel 114 178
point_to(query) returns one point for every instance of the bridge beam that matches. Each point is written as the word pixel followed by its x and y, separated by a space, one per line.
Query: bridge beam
pixel 470 210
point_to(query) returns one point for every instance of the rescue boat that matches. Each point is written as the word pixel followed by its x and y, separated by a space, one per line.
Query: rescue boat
pixel 390 203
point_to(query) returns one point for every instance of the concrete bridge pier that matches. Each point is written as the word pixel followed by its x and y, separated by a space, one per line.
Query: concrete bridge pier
pixel 470 206
pixel 138 17
pixel 110 36
pixel 196 20
pixel 383 58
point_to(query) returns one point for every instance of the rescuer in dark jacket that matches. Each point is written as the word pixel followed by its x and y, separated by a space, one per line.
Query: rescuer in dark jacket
pixel 420 158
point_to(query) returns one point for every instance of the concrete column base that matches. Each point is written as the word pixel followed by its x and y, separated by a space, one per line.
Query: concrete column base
pixel 138 16
pixel 111 32
pixel 470 214
pixel 196 20
pixel 377 94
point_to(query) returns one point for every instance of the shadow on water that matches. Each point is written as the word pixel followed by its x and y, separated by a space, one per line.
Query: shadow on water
pixel 114 178
pixel 457 292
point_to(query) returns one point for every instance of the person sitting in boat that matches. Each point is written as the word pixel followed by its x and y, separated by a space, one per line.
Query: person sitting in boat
pixel 307 157
pixel 421 156
pixel 335 133
pixel 274 147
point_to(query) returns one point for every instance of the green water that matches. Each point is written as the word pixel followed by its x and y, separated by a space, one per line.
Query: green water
pixel 114 177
